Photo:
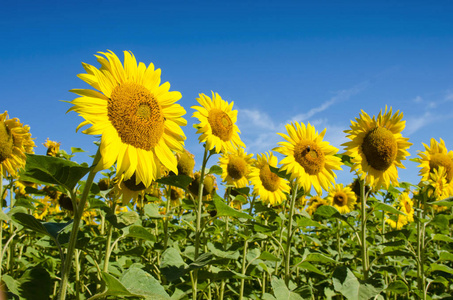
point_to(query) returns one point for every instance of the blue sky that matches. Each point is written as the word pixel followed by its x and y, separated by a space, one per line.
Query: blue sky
pixel 279 61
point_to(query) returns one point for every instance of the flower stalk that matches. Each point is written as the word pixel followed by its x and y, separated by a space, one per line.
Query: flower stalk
pixel 290 234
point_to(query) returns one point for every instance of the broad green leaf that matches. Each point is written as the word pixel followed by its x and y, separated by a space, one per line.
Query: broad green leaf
pixel 440 221
pixel 45 169
pixel 400 252
pixel 3 216
pixel 225 210
pixel 345 282
pixel 318 257
pixel 123 219
pixel 268 256
pixel 388 208
pixel 152 211
pixel 76 150
pixel 281 291
pixel 398 287
pixel 30 222
pixel 306 222
pixel 442 268
pixel 444 255
pixel 11 284
pixel 309 267
pixel 442 237
pixel 215 169
pixel 234 254
pixel 445 202
pixel 244 190
pixel 181 181
pixel 35 284
pixel 139 232
pixel 258 227
pixel 142 283
pixel 327 211
pixel 172 264
pixel 113 286
pixel 280 173
pixel 203 260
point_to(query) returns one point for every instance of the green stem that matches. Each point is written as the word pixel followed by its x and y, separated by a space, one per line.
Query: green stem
pixel 75 229
pixel 108 246
pixel 290 234
pixel 363 230
pixel 167 209
pixel 339 239
pixel 279 248
pixel 198 224
pixel 244 253
pixel 225 240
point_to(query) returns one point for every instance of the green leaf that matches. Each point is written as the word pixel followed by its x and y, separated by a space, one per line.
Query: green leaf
pixel 398 287
pixel 152 211
pixel 142 283
pixel 181 181
pixel 309 267
pixel 35 284
pixel 139 232
pixel 244 190
pixel 76 150
pixel 327 211
pixel 349 286
pixel 318 257
pixel 444 255
pixel 45 169
pixel 281 291
pixel 172 265
pixel 225 210
pixel 123 219
pixel 234 254
pixel 442 237
pixel 113 286
pixel 11 284
pixel 442 268
pixel 3 216
pixel 30 222
pixel 280 173
pixel 215 169
pixel 445 202
pixel 388 208
pixel 268 256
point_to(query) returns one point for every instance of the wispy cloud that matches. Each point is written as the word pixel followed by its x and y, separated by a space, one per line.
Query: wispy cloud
pixel 415 123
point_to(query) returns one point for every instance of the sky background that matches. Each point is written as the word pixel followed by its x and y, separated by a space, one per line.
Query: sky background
pixel 279 61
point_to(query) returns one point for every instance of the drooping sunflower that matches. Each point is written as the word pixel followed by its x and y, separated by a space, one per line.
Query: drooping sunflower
pixel 15 141
pixel 217 123
pixel 186 163
pixel 209 185
pixel 236 167
pixel 308 158
pixel 434 157
pixel 342 198
pixel 266 184
pixel 128 189
pixel 314 203
pixel 377 147
pixel 52 147
pixel 136 115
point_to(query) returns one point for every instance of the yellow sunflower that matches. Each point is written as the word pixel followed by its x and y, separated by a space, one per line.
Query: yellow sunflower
pixel 186 163
pixel 342 198
pixel 176 195
pixel 308 158
pixel 314 203
pixel 437 187
pixel 15 141
pixel 217 123
pixel 398 223
pixel 434 157
pixel 377 147
pixel 236 167
pixel 128 189
pixel 136 116
pixel 52 147
pixel 209 185
pixel 406 205
pixel 267 185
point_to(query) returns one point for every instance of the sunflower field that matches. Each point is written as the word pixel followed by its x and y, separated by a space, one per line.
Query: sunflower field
pixel 139 221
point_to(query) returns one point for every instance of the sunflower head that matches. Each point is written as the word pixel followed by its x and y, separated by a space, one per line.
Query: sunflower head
pixel 15 141
pixel 236 167
pixel 136 116
pixel 52 148
pixel 65 202
pixel 266 184
pixel 308 158
pixel 342 198
pixel 314 203
pixel 209 185
pixel 217 123
pixel 186 163
pixel 131 189
pixel 176 195
pixel 377 147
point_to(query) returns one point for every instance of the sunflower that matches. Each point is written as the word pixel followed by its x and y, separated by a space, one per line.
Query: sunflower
pixel 398 223
pixel 236 167
pixel 267 185
pixel 314 203
pixel 309 159
pixel 406 205
pixel 377 147
pixel 434 157
pixel 128 189
pixel 209 185
pixel 217 123
pixel 437 187
pixel 136 116
pixel 186 163
pixel 52 148
pixel 15 141
pixel 176 195
pixel 342 198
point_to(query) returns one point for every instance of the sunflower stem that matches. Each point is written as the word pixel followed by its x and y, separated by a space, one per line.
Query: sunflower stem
pixel 339 239
pixel 198 225
pixel 290 234
pixel 167 209
pixel 244 253
pixel 225 240
pixel 363 230
pixel 67 264
pixel 108 248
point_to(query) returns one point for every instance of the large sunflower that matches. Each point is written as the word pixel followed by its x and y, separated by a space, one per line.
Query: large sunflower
pixel 15 141
pixel 377 147
pixel 434 157
pixel 217 123
pixel 136 116
pixel 236 167
pixel 267 185
pixel 309 159
pixel 342 198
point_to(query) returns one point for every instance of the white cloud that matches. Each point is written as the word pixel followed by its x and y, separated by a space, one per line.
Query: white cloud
pixel 418 99
pixel 413 124
pixel 449 96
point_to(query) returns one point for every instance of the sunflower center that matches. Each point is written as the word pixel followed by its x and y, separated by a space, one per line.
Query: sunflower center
pixel 136 116
pixel 269 180
pixel 6 142
pixel 309 156
pixel 221 124
pixel 237 167
pixel 380 148
pixel 408 207
pixel 133 186
pixel 340 199
pixel 442 160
